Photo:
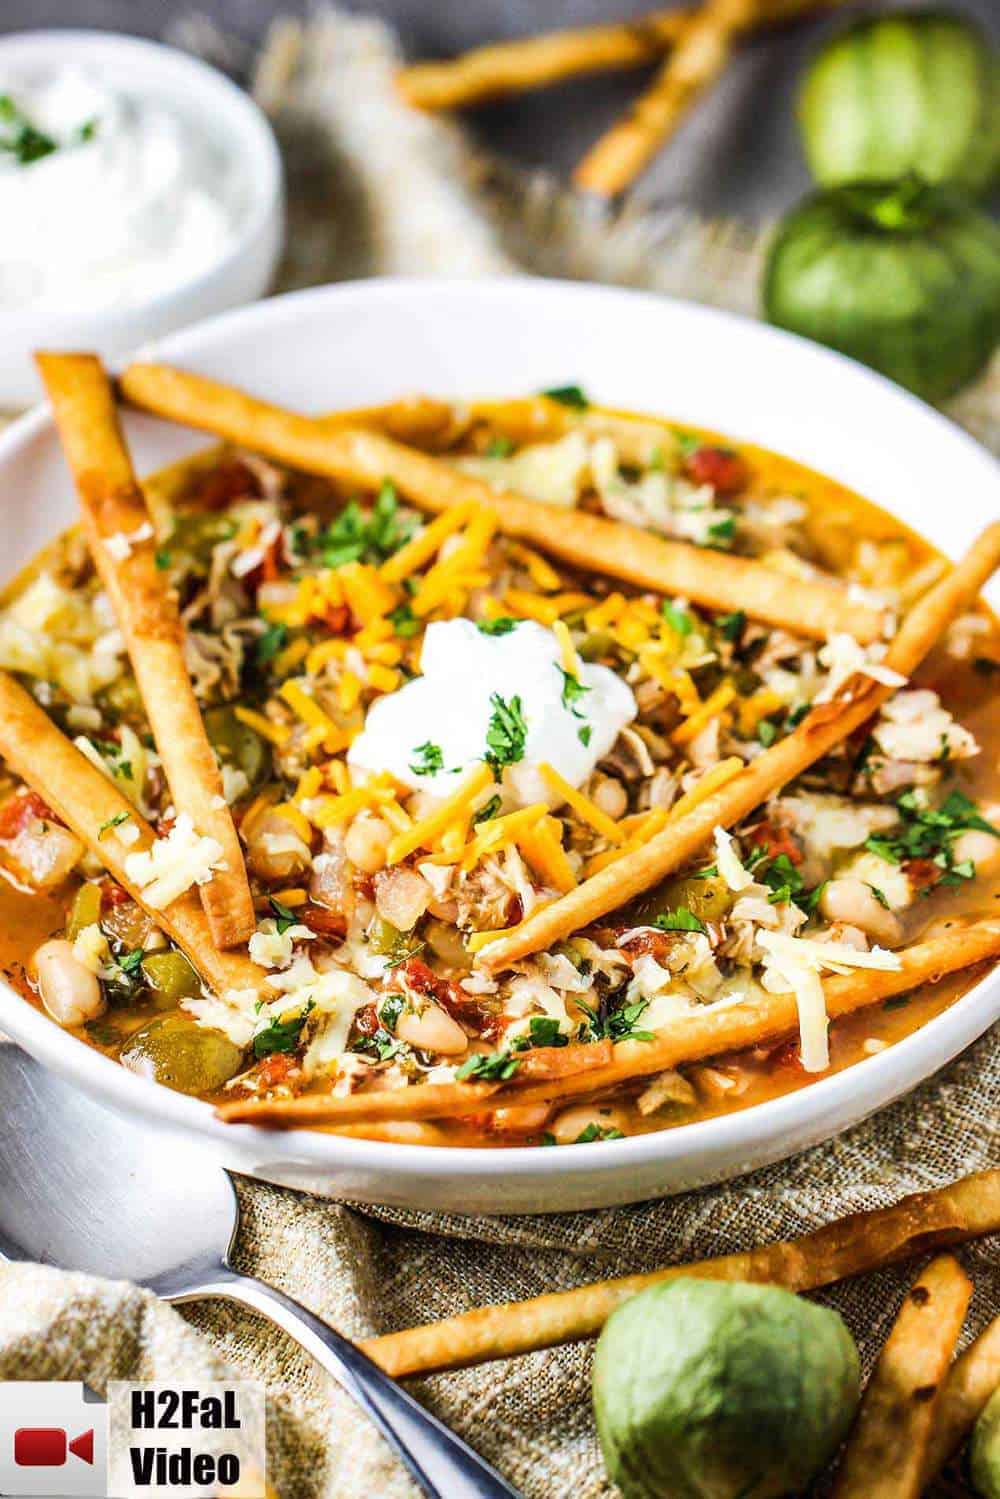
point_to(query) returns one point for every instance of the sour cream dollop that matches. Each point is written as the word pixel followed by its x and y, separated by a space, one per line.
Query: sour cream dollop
pixel 106 198
pixel 449 709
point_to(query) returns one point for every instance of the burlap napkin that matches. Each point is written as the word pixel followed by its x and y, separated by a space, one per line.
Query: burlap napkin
pixel 376 189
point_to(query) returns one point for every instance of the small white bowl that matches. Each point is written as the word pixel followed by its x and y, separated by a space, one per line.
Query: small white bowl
pixel 244 269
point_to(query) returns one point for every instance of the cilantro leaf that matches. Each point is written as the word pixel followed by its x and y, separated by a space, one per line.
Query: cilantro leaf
pixel 270 643
pixel 681 920
pixel 281 1035
pixel 20 137
pixel 404 622
pixel 568 395
pixel 592 1132
pixel 353 538
pixel 679 620
pixel 499 447
pixel 572 691
pixel 721 533
pixel 925 833
pixel 487 810
pixel 284 917
pixel 730 626
pixel 112 822
pixel 506 734
pixel 615 1025
pixel 502 625
pixel 583 734
pixel 543 1030
pixel 130 962
pixel 494 1068
pixel 429 759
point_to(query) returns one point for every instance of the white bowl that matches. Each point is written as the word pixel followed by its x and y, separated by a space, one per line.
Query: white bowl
pixel 354 344
pixel 242 272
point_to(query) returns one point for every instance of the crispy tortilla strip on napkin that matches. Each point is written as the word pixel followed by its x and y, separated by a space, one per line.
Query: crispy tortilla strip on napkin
pixel 688 1038
pixel 972 1379
pixel 817 607
pixel 853 1246
pixel 120 534
pixel 94 809
pixel 824 728
pixel 531 62
pixel 885 1453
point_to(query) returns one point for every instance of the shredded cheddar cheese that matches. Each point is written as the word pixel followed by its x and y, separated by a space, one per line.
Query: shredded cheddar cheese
pixel 581 805
pixel 423 833
pixel 710 708
pixel 277 733
pixel 426 543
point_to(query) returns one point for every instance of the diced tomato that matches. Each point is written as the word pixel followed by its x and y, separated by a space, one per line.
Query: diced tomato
pixel 423 980
pixel 21 809
pixel 113 895
pixel 275 1070
pixel 923 874
pixel 658 944
pixel 223 484
pixel 366 1020
pixel 339 620
pixel 776 840
pixel 321 920
pixel 725 470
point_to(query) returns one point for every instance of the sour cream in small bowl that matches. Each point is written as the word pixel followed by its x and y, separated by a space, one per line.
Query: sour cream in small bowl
pixel 140 191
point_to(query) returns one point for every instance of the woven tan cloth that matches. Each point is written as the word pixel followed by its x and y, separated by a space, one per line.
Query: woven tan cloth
pixel 376 189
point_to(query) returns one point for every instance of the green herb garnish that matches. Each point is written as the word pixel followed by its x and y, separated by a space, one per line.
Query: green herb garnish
pixel 405 622
pixel 284 917
pixel 926 833
pixel 720 534
pixel 112 822
pixel 506 734
pixel 20 137
pixel 679 620
pixel 583 733
pixel 730 626
pixel 429 759
pixel 281 1035
pixel 499 447
pixel 572 691
pixel 270 643
pixel 352 538
pixel 594 1132
pixel 568 395
pixel 495 1067
pixel 502 625
pixel 487 810
pixel 681 920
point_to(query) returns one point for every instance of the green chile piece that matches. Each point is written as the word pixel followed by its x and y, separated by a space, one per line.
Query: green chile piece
pixel 904 277
pixel 238 745
pixel 173 1050
pixel 708 898
pixel 714 1390
pixel 984 1450
pixel 122 698
pixel 898 93
pixel 169 979
pixel 85 909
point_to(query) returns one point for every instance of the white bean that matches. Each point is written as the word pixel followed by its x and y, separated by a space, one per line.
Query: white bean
pixel 432 1029
pixel 571 1123
pixel 274 849
pixel 520 1119
pixel 609 794
pixel 982 848
pixel 367 839
pixel 852 901
pixel 70 992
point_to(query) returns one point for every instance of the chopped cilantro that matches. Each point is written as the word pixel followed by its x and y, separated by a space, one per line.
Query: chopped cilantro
pixel 283 916
pixel 383 1046
pixel 487 810
pixel 507 733
pixel 679 620
pixel 681 920
pixel 407 950
pixel 687 443
pixel 721 533
pixel 593 1132
pixel 130 962
pixel 162 558
pixel 112 822
pixel 499 447
pixel 87 130
pixel 493 1068
pixel 546 1138
pixel 583 733
pixel 281 1035
pixel 767 732
pixel 352 538
pixel 614 1025
pixel 20 137
pixel 429 759
pixel 796 715
pixel 572 691
pixel 123 769
pixel 880 896
pixel 390 1010
pixel 926 833
pixel 568 395
pixel 730 626
pixel 270 643
pixel 404 622
pixel 502 625
pixel 543 1030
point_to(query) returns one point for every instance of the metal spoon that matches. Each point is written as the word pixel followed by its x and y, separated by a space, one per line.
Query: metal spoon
pixel 83 1189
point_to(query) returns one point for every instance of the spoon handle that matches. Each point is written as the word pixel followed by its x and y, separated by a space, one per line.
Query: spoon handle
pixel 441 1463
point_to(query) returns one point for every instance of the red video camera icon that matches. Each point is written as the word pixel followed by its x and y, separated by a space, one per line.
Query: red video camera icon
pixel 48 1446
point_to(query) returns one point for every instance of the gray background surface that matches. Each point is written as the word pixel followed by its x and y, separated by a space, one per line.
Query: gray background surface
pixel 737 153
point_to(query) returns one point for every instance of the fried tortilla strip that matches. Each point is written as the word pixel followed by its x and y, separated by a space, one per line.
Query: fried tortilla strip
pixel 825 727
pixel 688 1038
pixel 699 58
pixel 515 67
pixel 816 607
pixel 96 811
pixel 853 1246
pixel 885 1453
pixel 533 62
pixel 529 419
pixel 120 534
pixel 973 1378
pixel 424 421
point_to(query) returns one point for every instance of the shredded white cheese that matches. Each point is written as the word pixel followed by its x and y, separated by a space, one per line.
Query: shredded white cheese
pixel 844 658
pixel 91 948
pixel 270 948
pixel 175 863
pixel 728 861
pixel 120 543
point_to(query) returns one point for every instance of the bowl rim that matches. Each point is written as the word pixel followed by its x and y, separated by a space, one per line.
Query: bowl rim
pixel 251 132
pixel 910 1061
